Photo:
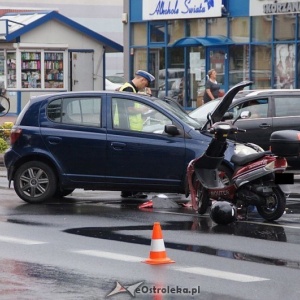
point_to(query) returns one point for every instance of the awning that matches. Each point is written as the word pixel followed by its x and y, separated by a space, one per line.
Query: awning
pixel 192 41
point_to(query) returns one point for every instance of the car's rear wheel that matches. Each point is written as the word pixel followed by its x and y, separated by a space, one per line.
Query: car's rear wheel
pixel 35 182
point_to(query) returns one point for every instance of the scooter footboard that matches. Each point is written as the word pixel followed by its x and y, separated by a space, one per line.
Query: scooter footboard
pixel 209 178
pixel 208 162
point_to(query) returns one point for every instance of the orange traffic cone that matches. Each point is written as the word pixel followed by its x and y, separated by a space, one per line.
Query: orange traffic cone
pixel 158 253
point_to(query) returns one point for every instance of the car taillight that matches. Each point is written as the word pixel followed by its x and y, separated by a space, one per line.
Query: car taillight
pixel 15 134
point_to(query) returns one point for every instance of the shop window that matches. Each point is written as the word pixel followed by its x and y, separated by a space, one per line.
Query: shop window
pixel 217 26
pixel 140 59
pixel 2 70
pixel 298 67
pixel 261 29
pixel 239 30
pixel 157 33
pixel 54 70
pixel 285 27
pixel 285 66
pixel 238 64
pixel 31 69
pixel 196 27
pixel 139 34
pixel 11 70
pixel 175 30
pixel 261 66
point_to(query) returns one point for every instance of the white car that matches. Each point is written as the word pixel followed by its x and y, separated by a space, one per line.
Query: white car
pixel 110 86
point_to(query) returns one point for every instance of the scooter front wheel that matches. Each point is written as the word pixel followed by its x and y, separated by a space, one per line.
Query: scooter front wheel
pixel 274 206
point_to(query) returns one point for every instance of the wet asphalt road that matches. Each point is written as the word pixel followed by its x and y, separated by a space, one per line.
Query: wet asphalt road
pixel 78 248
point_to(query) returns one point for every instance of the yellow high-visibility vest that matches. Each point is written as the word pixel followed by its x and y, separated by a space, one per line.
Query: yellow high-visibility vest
pixel 135 120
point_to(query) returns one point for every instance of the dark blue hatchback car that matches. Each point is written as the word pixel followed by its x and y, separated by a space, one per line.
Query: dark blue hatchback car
pixel 85 140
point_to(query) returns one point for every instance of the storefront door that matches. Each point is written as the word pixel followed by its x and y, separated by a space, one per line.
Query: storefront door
pixel 82 71
pixel 217 59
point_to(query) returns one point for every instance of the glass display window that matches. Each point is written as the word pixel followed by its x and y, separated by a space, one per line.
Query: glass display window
pixel 139 34
pixel 285 27
pixel 196 27
pixel 176 30
pixel 261 29
pixel 157 32
pixel 239 29
pixel 261 66
pixel 2 69
pixel 11 70
pixel 54 70
pixel 217 26
pixel 31 70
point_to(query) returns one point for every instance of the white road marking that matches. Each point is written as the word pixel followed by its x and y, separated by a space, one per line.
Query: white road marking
pixel 110 255
pixel 195 270
pixel 221 274
pixel 20 241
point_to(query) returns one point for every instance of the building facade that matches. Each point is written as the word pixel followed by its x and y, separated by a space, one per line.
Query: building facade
pixel 46 52
pixel 100 16
pixel 179 41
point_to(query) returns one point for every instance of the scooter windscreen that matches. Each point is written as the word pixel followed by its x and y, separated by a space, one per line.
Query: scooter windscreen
pixel 219 111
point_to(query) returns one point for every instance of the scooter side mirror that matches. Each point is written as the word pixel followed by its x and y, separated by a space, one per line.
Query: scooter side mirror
pixel 171 130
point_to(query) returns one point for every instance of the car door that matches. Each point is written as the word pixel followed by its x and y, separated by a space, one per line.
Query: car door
pixel 73 134
pixel 286 112
pixel 260 124
pixel 143 156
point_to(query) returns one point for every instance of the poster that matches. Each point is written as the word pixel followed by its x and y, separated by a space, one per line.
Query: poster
pixel 285 66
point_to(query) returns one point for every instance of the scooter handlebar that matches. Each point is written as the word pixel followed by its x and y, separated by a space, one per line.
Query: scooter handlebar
pixel 225 128
pixel 241 130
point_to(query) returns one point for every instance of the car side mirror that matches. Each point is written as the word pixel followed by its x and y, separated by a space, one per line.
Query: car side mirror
pixel 243 115
pixel 171 130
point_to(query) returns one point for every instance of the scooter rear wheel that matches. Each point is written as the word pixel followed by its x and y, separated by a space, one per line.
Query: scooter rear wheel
pixel 274 206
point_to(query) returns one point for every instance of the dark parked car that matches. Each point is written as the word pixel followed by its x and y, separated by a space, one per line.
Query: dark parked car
pixel 71 140
pixel 271 110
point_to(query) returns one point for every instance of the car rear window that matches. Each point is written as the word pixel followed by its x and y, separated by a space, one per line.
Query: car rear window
pixel 76 111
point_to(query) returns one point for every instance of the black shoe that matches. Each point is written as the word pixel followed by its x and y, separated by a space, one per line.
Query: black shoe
pixel 126 194
pixel 139 195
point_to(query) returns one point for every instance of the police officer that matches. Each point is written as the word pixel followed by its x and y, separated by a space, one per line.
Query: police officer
pixel 139 84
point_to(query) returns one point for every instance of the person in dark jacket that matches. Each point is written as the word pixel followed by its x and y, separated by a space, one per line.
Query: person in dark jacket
pixel 212 88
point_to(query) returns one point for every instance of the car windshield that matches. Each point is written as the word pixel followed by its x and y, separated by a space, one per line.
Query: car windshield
pixel 179 113
pixel 200 113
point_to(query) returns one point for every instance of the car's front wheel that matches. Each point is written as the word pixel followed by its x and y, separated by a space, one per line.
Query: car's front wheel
pixel 35 182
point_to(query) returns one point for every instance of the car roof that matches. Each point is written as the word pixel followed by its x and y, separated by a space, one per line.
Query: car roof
pixel 265 92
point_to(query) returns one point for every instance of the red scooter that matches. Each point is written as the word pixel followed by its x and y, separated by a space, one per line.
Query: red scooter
pixel 252 181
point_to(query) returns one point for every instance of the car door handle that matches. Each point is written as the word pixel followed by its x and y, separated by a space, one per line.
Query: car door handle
pixel 264 125
pixel 54 140
pixel 118 145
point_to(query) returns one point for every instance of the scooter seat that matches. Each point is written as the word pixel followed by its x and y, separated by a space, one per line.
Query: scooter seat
pixel 242 159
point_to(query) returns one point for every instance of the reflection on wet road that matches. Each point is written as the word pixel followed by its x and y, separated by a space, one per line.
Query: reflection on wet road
pixel 265 231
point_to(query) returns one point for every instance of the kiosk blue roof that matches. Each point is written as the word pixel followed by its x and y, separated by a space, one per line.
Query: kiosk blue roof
pixel 16 24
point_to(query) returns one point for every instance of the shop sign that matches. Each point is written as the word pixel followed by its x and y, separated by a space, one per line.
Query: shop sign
pixel 181 9
pixel 273 7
